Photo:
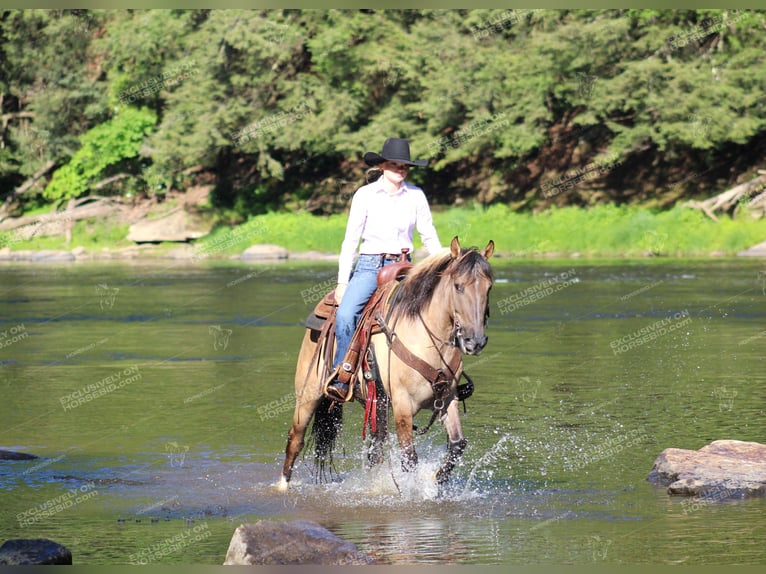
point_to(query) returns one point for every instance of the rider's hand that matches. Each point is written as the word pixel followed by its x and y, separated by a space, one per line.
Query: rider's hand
pixel 339 291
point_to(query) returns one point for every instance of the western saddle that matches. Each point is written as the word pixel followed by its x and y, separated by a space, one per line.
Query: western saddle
pixel 322 319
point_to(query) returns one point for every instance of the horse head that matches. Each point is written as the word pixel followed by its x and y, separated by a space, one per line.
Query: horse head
pixel 469 276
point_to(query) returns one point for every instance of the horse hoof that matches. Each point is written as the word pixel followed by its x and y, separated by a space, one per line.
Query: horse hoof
pixel 283 484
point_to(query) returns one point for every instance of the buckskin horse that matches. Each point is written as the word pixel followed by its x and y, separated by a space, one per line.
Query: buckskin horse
pixel 437 313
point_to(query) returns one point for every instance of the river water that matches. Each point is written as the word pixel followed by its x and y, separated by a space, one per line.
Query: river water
pixel 157 396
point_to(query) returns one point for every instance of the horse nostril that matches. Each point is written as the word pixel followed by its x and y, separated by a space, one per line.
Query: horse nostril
pixel 475 346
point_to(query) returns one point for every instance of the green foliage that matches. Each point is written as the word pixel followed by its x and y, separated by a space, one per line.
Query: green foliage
pixel 600 231
pixel 104 146
pixel 47 73
pixel 303 231
pixel 285 102
pixel 142 45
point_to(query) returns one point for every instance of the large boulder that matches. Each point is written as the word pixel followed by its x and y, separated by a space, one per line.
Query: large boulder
pixel 298 542
pixel 178 225
pixel 30 551
pixel 731 466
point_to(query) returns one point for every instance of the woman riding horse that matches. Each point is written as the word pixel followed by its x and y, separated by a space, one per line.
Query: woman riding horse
pixel 437 313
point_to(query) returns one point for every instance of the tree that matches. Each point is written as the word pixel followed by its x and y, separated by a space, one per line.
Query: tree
pixel 276 107
pixel 107 149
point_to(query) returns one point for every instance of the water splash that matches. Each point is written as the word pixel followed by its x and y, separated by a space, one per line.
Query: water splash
pixel 487 459
pixel 388 483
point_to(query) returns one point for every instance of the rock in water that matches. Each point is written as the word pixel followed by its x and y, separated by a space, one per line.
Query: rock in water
pixel 12 455
pixel 30 551
pixel 298 542
pixel 736 467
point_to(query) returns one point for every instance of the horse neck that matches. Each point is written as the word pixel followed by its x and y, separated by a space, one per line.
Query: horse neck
pixel 437 314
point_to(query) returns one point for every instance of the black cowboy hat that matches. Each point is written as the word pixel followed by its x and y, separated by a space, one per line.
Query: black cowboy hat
pixel 395 149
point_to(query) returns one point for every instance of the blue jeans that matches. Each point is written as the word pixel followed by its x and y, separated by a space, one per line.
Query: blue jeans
pixel 360 288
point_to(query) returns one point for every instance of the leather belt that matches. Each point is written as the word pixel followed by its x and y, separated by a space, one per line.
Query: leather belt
pixel 388 256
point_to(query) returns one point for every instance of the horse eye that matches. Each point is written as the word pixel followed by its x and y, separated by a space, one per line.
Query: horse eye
pixel 459 288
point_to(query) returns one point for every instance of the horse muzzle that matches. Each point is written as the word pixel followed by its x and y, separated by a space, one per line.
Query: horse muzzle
pixel 472 345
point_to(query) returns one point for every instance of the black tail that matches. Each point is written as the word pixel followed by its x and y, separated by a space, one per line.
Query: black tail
pixel 328 421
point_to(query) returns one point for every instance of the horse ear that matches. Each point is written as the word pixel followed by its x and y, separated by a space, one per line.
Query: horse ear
pixel 489 249
pixel 455 247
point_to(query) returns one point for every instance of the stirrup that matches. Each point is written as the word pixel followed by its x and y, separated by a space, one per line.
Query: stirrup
pixel 332 392
pixel 337 392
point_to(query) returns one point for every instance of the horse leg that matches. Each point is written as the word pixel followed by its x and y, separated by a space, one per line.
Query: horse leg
pixel 375 455
pixel 307 395
pixel 295 438
pixel 403 421
pixel 457 443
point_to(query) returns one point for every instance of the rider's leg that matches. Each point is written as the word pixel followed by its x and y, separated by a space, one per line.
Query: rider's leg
pixel 361 286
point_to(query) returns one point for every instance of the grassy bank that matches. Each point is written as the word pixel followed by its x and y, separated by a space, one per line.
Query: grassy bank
pixel 602 231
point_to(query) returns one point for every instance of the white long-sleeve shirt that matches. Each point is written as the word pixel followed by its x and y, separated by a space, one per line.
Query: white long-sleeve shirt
pixel 385 224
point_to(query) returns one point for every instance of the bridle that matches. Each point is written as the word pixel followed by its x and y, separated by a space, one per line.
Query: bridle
pixel 456 339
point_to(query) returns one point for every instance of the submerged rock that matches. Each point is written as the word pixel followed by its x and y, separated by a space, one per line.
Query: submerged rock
pixel 731 466
pixel 298 542
pixel 30 551
pixel 12 455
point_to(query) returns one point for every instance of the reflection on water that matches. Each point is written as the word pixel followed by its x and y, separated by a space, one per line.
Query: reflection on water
pixel 562 430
